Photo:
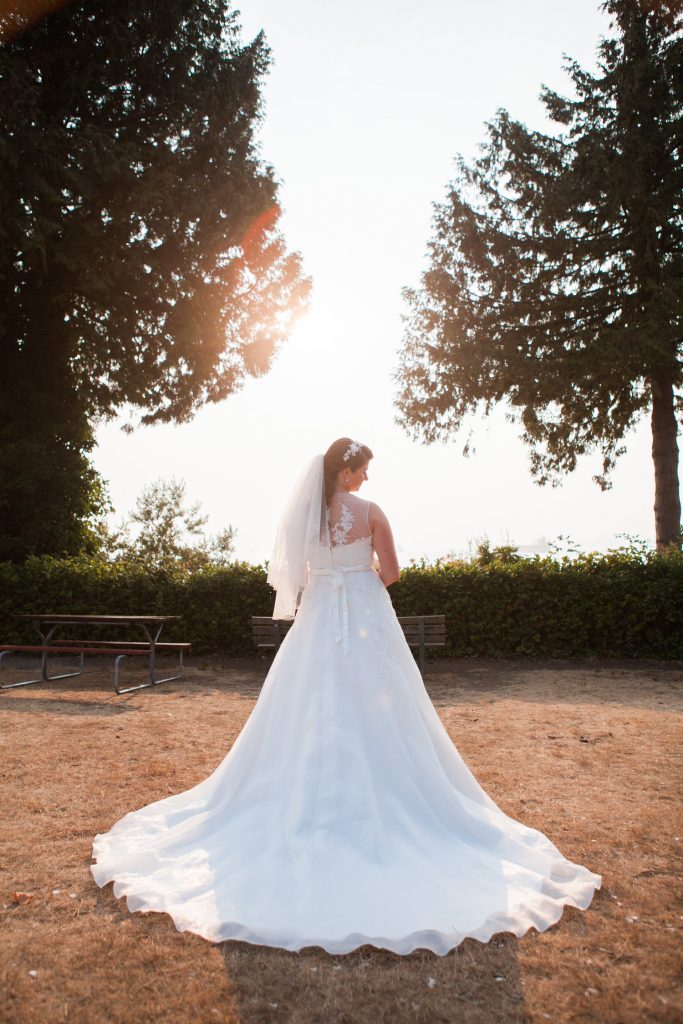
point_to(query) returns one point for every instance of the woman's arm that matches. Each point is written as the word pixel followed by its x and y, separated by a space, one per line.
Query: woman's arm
pixel 383 543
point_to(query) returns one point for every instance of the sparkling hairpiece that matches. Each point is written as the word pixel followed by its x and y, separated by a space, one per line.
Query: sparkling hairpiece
pixel 351 450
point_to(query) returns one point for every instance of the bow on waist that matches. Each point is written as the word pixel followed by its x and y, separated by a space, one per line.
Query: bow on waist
pixel 336 574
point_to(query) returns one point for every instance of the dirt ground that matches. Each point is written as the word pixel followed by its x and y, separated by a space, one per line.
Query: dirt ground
pixel 588 752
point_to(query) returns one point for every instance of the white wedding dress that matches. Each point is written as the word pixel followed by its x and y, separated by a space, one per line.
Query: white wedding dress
pixel 343 814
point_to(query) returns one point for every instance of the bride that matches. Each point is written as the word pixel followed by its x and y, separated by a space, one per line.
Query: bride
pixel 343 814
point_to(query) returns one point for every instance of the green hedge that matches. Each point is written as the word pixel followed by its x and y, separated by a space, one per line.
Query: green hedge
pixel 214 604
pixel 613 605
pixel 592 606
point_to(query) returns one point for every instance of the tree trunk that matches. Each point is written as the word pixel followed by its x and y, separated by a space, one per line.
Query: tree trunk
pixel 665 457
pixel 47 484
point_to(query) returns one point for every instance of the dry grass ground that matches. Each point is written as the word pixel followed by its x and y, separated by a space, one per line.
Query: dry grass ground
pixel 587 752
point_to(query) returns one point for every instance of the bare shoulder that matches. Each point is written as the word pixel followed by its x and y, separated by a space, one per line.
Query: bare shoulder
pixel 358 504
pixel 383 543
pixel 376 516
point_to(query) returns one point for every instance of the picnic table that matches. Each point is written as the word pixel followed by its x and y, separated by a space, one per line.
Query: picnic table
pixel 47 624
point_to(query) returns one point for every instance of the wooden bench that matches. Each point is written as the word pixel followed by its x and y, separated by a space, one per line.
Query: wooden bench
pixel 420 631
pixel 119 650
pixel 423 631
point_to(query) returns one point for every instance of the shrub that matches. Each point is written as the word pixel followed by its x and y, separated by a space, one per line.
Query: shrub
pixel 595 605
pixel 620 604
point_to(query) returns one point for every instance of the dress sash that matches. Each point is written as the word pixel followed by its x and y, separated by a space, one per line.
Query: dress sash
pixel 340 621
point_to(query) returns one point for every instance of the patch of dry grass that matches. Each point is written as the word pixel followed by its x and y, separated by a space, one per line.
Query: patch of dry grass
pixel 586 752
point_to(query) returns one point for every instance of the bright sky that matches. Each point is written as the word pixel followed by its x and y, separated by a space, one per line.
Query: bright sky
pixel 367 104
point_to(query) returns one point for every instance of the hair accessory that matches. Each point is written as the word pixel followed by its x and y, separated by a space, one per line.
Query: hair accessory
pixel 351 450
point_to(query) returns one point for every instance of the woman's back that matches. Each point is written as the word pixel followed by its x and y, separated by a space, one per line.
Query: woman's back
pixel 350 531
pixel 357 528
pixel 348 518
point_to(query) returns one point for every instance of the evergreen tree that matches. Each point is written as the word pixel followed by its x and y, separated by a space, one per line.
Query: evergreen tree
pixel 141 265
pixel 554 278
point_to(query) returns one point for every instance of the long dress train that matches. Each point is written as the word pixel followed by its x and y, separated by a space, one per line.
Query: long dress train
pixel 343 814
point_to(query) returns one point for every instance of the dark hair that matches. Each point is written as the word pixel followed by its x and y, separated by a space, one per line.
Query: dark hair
pixel 334 462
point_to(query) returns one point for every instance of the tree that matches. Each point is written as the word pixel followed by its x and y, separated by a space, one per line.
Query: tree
pixel 162 531
pixel 554 278
pixel 141 264
pixel 504 554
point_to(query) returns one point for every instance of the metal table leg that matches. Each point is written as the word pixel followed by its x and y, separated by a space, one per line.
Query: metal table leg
pixel 25 682
pixel 46 639
pixel 152 664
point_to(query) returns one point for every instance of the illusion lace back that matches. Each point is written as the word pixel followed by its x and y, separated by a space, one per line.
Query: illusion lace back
pixel 343 814
pixel 347 516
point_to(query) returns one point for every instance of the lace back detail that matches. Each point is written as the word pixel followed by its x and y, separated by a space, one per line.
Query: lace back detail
pixel 347 516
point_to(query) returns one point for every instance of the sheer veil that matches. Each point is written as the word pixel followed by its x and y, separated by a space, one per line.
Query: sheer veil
pixel 302 535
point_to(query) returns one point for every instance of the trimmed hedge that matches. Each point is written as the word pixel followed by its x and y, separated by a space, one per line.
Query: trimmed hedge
pixel 613 605
pixel 592 606
pixel 215 604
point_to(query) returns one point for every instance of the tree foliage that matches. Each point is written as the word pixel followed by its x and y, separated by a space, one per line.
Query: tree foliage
pixel 163 531
pixel 555 269
pixel 141 263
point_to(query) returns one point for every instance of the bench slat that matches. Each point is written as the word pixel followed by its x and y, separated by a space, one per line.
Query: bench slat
pixel 411 628
pixel 427 636
pixel 73 650
pixel 119 643
pixel 409 619
pixel 266 618
pixel 268 628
